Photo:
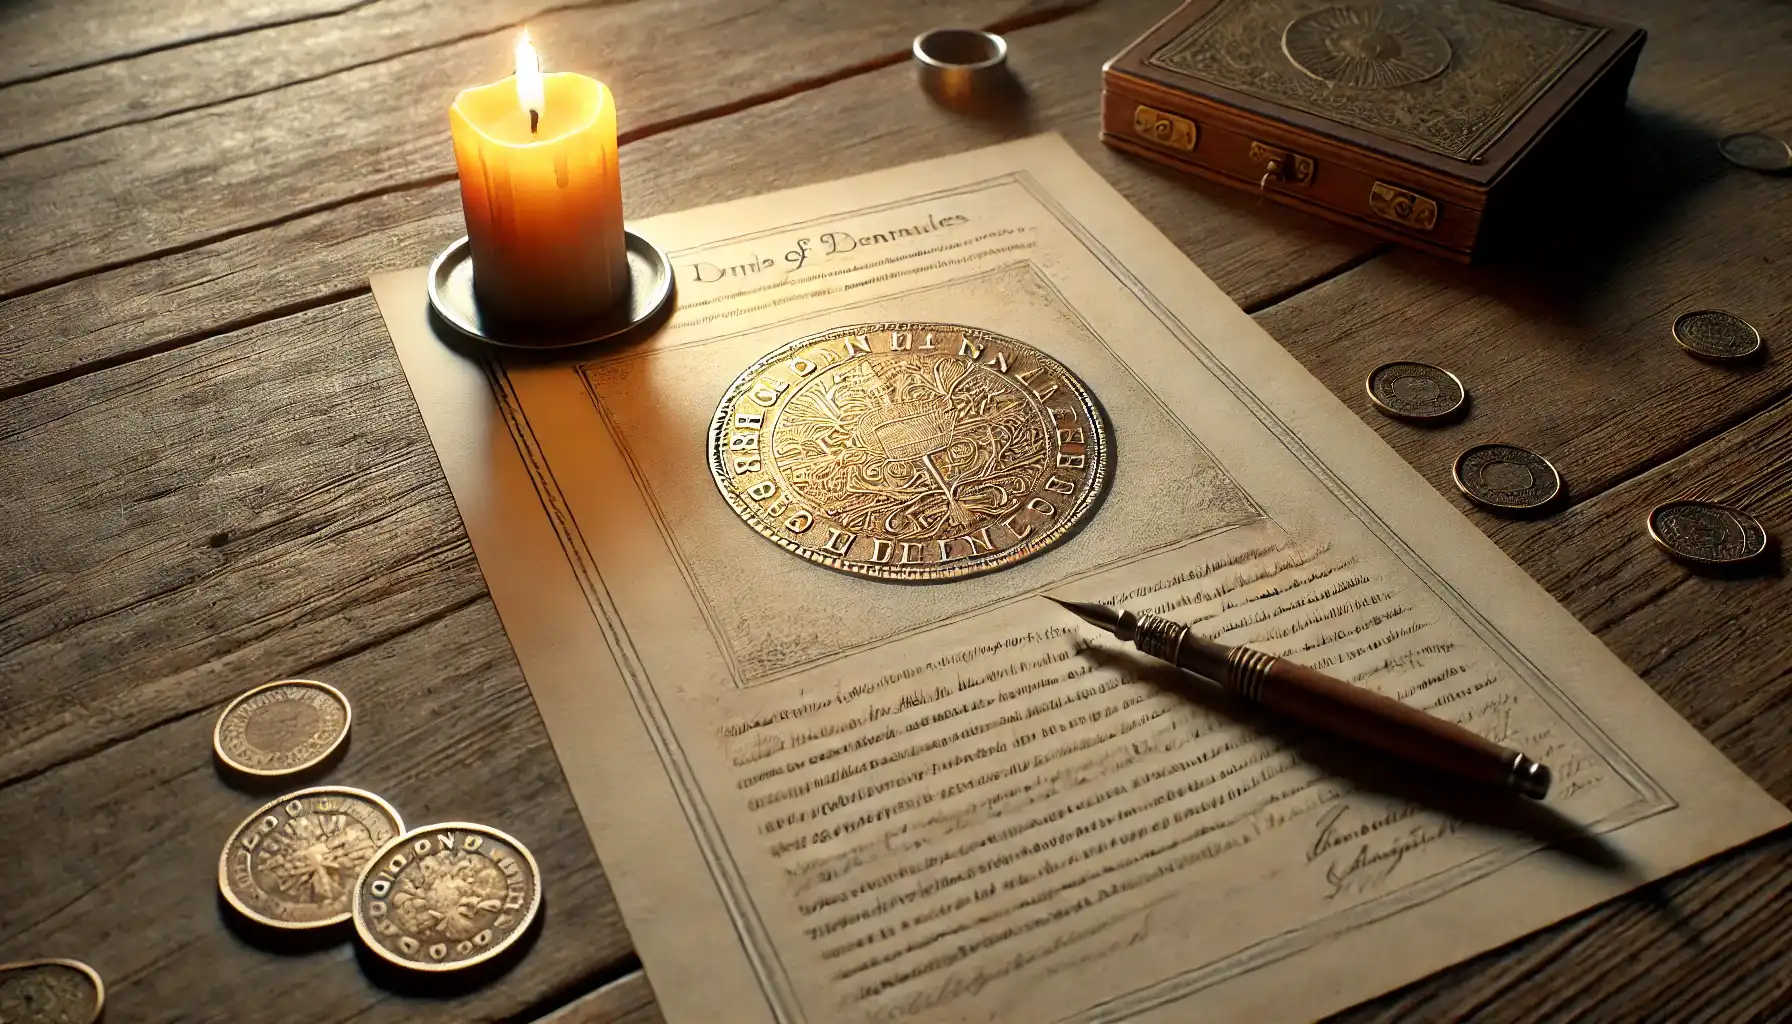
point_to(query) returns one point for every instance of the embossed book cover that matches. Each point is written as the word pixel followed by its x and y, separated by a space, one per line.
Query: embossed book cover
pixel 1403 119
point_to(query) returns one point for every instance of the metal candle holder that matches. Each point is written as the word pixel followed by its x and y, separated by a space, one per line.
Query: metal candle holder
pixel 451 298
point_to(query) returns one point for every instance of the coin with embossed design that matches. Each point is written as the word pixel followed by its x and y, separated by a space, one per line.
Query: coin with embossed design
pixel 1706 533
pixel 50 992
pixel 444 897
pixel 282 728
pixel 1757 152
pixel 910 451
pixel 1415 391
pixel 1506 478
pixel 1714 334
pixel 293 864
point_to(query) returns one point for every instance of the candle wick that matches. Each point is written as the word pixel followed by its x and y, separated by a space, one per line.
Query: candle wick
pixel 534 121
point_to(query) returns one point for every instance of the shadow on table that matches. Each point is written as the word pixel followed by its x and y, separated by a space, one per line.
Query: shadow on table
pixel 1584 219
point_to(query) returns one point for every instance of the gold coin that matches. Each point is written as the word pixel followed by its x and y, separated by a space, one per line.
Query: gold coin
pixel 293 864
pixel 50 992
pixel 1757 152
pixel 282 728
pixel 1415 391
pixel 1706 533
pixel 1506 478
pixel 1714 334
pixel 445 897
pixel 910 451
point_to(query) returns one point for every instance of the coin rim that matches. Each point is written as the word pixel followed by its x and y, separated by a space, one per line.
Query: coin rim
pixel 99 985
pixel 1751 353
pixel 1388 410
pixel 1073 523
pixel 1724 152
pixel 348 717
pixel 379 855
pixel 298 926
pixel 1456 475
pixel 1649 524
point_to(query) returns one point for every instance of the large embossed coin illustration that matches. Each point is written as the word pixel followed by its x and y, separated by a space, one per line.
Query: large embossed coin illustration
pixel 910 451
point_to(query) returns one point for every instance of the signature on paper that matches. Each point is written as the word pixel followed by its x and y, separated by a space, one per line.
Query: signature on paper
pixel 1361 854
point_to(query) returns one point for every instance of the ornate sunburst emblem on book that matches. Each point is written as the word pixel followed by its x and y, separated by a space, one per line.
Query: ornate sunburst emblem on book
pixel 1372 47
pixel 910 451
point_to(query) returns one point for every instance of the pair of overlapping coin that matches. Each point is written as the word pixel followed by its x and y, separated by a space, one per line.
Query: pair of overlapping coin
pixel 438 898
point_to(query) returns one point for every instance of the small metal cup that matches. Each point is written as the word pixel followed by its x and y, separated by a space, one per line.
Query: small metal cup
pixel 960 64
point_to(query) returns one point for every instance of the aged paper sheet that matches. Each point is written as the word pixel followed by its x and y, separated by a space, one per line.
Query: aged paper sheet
pixel 822 798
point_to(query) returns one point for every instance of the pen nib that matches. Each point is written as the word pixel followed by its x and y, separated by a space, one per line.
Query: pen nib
pixel 1094 614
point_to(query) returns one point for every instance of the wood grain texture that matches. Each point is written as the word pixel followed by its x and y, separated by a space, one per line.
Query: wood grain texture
pixel 1566 346
pixel 213 71
pixel 43 37
pixel 627 1000
pixel 1256 251
pixel 121 869
pixel 121 195
pixel 188 525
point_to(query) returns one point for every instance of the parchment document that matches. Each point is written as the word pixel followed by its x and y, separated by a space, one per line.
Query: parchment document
pixel 823 798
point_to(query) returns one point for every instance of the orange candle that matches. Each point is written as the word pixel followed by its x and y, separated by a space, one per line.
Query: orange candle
pixel 542 194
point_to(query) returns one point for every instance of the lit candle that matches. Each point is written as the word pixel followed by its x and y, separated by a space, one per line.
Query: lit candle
pixel 541 193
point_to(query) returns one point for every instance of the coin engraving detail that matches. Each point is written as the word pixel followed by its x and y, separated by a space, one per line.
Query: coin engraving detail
pixel 1757 152
pixel 293 863
pixel 1506 477
pixel 1708 533
pixel 282 728
pixel 912 451
pixel 1366 47
pixel 1415 391
pixel 447 896
pixel 50 992
pixel 1714 334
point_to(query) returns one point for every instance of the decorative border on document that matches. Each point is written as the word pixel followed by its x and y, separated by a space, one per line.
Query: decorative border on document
pixel 775 984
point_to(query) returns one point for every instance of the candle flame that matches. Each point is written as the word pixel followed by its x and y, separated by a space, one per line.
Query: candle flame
pixel 528 75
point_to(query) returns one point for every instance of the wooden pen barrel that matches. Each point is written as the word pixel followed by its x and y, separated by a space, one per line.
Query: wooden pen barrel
pixel 1366 716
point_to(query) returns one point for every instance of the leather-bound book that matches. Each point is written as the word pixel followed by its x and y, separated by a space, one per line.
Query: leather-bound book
pixel 1434 123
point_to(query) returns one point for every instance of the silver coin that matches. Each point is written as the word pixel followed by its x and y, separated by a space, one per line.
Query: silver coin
pixel 282 728
pixel 1715 334
pixel 51 991
pixel 1757 152
pixel 1415 391
pixel 1706 533
pixel 1506 478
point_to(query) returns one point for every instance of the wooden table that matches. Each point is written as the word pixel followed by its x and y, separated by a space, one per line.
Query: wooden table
pixel 212 473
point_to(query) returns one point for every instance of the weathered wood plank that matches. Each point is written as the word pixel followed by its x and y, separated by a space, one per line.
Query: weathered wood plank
pixel 168 81
pixel 121 866
pixel 1255 251
pixel 627 1000
pixel 43 37
pixel 1566 347
pixel 186 525
pixel 120 195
